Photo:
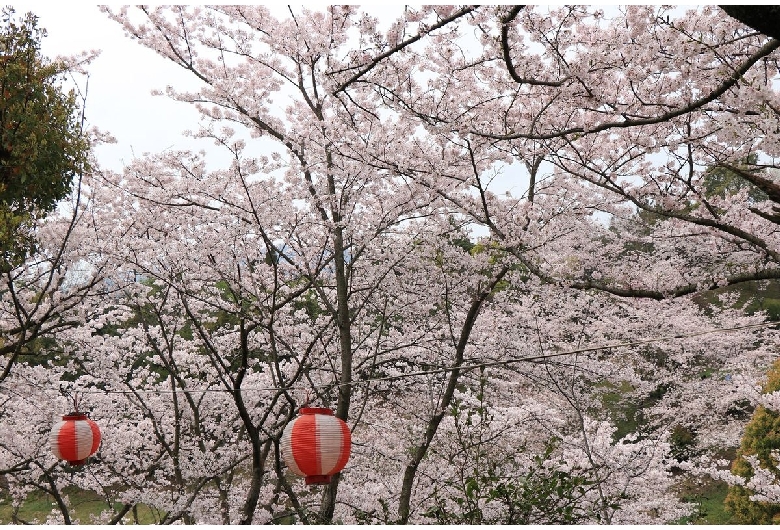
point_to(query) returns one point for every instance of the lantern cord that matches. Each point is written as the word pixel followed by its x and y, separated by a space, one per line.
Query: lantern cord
pixel 462 368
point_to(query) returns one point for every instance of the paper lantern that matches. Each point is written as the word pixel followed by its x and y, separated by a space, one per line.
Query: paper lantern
pixel 316 445
pixel 75 438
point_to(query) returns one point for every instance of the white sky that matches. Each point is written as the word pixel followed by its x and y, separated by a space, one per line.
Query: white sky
pixel 121 79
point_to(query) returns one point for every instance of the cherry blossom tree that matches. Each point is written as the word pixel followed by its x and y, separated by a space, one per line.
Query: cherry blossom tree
pixel 638 124
pixel 517 357
pixel 51 293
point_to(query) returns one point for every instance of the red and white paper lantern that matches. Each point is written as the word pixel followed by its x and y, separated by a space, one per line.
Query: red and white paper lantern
pixel 75 438
pixel 316 445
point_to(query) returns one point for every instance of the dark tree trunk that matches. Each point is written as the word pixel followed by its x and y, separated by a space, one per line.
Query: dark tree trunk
pixel 765 19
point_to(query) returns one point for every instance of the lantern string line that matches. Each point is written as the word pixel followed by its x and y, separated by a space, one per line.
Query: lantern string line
pixel 461 368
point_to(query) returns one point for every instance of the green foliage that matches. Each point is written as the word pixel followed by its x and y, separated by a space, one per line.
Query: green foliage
pixel 761 439
pixel 41 145
pixel 309 302
pixel 494 489
pixel 538 496
pixel 682 442
pixel 715 182
pixel 707 495
pixel 625 408
pixel 722 182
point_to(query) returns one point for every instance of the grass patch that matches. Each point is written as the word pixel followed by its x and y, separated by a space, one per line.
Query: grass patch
pixel 708 495
pixel 82 507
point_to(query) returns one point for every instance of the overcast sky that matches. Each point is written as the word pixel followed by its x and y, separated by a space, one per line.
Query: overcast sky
pixel 120 81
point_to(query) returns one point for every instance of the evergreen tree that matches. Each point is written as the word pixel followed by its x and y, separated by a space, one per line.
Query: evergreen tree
pixel 761 439
pixel 41 144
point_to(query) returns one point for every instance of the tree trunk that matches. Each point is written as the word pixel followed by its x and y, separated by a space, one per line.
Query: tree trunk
pixel 433 425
